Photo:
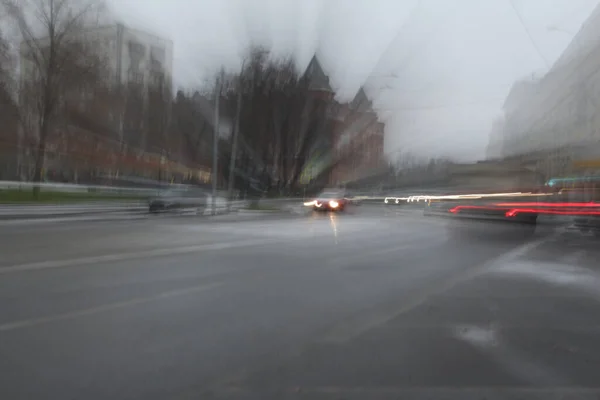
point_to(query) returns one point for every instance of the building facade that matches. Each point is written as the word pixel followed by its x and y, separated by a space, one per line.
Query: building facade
pixel 321 96
pixel 358 143
pixel 353 146
pixel 118 116
pixel 496 140
pixel 511 140
pixel 550 120
pixel 134 56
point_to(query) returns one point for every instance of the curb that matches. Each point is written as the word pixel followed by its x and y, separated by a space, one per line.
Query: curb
pixel 70 214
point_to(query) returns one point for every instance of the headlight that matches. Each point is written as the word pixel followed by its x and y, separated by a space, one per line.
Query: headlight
pixel 333 204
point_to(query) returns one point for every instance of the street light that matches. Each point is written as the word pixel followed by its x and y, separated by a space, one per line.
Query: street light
pixel 218 87
pixel 236 129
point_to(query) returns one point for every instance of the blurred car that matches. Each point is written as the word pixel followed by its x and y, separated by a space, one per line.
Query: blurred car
pixel 329 201
pixel 482 220
pixel 179 199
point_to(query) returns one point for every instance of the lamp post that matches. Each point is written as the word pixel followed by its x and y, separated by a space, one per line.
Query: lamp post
pixel 216 142
pixel 236 130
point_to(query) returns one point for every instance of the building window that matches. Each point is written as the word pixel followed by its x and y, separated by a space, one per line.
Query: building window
pixel 157 57
pixel 136 77
pixel 137 49
pixel 136 54
pixel 158 79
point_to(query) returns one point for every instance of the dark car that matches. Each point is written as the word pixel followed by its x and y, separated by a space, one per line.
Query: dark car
pixel 178 200
pixel 487 220
pixel 330 201
pixel 354 198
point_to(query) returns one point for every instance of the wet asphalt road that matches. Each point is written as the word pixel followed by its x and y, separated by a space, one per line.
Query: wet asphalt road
pixel 376 303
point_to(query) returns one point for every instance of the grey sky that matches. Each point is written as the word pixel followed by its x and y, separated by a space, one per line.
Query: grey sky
pixel 438 69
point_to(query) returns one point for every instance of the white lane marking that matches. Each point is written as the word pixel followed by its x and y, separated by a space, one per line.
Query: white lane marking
pixel 489 342
pixel 569 276
pixel 366 321
pixel 477 336
pixel 133 255
pixel 10 326
pixel 574 257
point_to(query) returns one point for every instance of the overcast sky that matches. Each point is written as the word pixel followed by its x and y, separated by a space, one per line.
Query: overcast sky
pixel 438 70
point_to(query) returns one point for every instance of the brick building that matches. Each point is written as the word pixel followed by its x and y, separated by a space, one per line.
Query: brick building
pixel 322 96
pixel 358 141
pixel 353 148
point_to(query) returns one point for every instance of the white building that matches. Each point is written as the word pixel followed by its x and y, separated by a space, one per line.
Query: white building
pixel 550 118
pixel 132 55
pixel 136 56
pixel 496 140
pixel 516 117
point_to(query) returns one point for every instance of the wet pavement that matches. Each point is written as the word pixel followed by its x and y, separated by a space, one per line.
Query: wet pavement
pixel 375 303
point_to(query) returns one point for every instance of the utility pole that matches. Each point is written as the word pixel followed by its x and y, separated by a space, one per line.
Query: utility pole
pixel 236 130
pixel 216 142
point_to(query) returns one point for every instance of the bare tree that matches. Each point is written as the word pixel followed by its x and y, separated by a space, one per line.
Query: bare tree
pixel 8 106
pixel 192 126
pixel 158 120
pixel 58 62
pixel 7 68
pixel 281 121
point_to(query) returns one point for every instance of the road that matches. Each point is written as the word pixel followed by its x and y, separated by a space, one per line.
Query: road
pixel 376 303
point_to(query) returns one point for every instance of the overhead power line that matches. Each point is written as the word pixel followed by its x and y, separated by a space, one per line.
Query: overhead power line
pixel 398 35
pixel 531 40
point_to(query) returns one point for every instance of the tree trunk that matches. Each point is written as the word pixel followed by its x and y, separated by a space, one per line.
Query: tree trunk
pixel 39 161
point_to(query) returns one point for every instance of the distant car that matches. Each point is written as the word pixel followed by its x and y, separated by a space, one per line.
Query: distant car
pixel 179 199
pixel 329 201
pixel 353 198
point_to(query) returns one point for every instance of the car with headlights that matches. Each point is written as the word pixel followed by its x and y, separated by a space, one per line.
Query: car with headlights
pixel 329 201
pixel 179 199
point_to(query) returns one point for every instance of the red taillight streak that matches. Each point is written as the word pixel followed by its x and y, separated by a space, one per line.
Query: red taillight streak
pixel 513 212
pixel 529 204
pixel 456 209
pixel 500 206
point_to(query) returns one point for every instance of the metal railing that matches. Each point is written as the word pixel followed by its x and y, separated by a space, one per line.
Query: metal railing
pixel 75 188
pixel 101 189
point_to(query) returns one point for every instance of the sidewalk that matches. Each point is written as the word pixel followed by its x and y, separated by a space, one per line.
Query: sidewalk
pixel 14 211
